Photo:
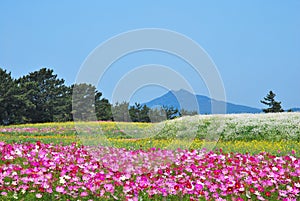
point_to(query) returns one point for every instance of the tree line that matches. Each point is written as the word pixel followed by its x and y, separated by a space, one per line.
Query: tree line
pixel 41 96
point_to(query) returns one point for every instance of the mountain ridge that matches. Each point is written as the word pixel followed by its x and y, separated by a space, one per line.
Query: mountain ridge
pixel 183 99
pixel 295 109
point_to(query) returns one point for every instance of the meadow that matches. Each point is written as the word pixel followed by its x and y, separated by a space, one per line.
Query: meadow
pixel 204 157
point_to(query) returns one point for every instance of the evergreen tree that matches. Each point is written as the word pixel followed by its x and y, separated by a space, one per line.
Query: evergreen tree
pixel 274 106
pixel 65 112
pixel 171 112
pixel 157 114
pixel 83 102
pixel 144 114
pixel 139 113
pixel 9 98
pixel 102 107
pixel 184 112
pixel 120 112
pixel 41 97
pixel 45 95
pixel 135 112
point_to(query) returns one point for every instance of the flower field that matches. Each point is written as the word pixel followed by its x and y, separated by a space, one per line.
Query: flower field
pixel 212 157
pixel 57 172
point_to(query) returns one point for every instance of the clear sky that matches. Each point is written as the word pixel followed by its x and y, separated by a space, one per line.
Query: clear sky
pixel 254 44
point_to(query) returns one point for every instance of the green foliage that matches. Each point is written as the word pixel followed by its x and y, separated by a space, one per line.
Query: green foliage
pixel 45 96
pixel 274 106
pixel 41 97
pixel 102 108
pixel 120 112
pixel 139 113
pixel 86 101
pixel 171 112
pixel 157 115
pixel 184 112
pixel 9 98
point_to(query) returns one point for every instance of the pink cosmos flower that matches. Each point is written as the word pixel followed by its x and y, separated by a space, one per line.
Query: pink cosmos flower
pixel 211 175
pixel 38 195
pixel 83 194
pixel 60 189
pixel 109 188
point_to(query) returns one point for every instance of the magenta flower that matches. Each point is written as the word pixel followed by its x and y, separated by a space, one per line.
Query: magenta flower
pixel 79 171
pixel 83 194
pixel 60 189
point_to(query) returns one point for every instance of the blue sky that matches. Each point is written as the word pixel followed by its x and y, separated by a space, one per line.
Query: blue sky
pixel 254 44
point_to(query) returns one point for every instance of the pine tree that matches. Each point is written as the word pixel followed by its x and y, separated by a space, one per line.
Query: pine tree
pixel 171 111
pixel 45 95
pixel 8 98
pixel 274 106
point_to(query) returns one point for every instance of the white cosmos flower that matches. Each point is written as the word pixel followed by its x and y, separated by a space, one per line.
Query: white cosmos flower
pixel 18 152
pixel 248 194
pixel 15 195
pixel 62 180
pixel 67 177
pixel 123 178
pixel 257 193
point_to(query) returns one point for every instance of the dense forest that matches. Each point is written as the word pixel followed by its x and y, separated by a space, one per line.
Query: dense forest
pixel 41 96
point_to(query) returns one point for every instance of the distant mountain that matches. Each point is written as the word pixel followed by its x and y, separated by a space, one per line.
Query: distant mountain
pixel 295 109
pixel 188 101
